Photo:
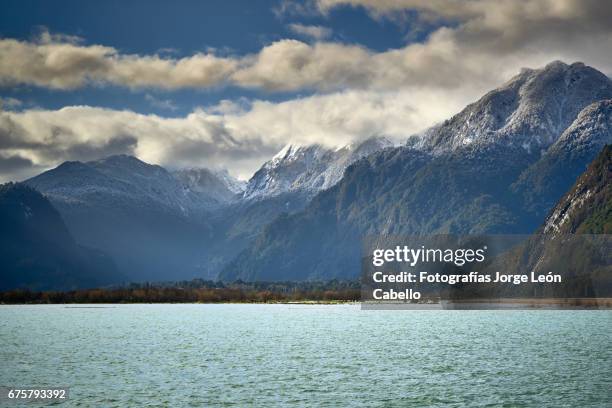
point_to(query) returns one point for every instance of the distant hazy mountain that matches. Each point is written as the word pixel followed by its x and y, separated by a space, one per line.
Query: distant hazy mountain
pixel 128 178
pixel 218 186
pixel 152 226
pixel 470 174
pixel 37 251
pixel 308 169
pixel 161 225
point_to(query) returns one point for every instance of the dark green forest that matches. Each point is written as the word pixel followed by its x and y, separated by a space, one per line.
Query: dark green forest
pixel 196 291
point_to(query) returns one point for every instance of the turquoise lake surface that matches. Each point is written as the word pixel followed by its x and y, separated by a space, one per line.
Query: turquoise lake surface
pixel 308 356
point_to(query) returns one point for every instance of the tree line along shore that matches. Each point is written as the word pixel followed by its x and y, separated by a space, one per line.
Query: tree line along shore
pixel 196 291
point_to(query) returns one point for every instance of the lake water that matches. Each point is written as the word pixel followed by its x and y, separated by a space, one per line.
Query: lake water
pixel 302 355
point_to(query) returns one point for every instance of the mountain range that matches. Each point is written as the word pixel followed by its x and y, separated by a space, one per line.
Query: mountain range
pixel 183 224
pixel 498 166
pixel 308 169
pixel 492 168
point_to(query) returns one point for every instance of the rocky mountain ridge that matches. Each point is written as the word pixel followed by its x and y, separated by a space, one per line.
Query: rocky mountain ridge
pixel 478 172
pixel 308 169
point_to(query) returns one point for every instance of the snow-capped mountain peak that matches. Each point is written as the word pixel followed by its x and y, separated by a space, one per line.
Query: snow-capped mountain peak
pixel 308 169
pixel 233 184
pixel 124 178
pixel 530 111
pixel 217 185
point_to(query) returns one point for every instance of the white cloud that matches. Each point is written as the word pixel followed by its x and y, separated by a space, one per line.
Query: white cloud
pixel 288 65
pixel 238 135
pixel 393 93
pixel 315 32
pixel 57 63
pixel 486 42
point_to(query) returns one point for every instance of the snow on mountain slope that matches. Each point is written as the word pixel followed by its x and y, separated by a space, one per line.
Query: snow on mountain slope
pixel 216 185
pixel 308 168
pixel 123 178
pixel 530 111
pixel 544 182
pixel 481 171
pixel 591 130
pixel 235 185
pixel 143 180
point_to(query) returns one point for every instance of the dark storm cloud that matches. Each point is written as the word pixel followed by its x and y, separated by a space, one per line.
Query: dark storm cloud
pixel 10 164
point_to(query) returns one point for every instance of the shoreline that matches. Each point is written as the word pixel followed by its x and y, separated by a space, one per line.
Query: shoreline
pixel 314 302
pixel 506 303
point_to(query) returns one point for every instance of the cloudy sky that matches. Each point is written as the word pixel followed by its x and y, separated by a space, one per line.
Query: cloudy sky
pixel 226 84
